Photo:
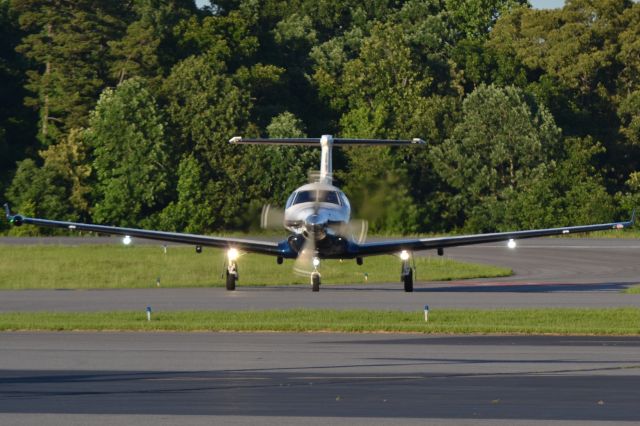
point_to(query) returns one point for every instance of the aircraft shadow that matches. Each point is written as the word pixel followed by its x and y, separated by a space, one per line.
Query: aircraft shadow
pixel 476 287
pixel 502 340
pixel 528 287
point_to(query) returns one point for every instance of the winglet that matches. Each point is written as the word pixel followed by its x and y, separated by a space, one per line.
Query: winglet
pixel 16 219
pixel 633 217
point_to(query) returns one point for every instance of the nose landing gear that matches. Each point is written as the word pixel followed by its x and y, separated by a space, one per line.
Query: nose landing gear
pixel 315 281
pixel 315 275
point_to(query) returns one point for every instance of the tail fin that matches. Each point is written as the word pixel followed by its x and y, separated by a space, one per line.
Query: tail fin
pixel 326 142
pixel 7 210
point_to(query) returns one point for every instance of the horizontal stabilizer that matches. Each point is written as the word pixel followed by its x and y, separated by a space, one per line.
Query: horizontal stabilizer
pixel 316 141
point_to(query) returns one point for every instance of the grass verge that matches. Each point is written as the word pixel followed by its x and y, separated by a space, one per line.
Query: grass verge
pixel 614 321
pixel 105 266
pixel 633 290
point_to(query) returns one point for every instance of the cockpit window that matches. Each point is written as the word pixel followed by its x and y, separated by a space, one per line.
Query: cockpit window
pixel 344 201
pixel 320 196
pixel 290 200
pixel 304 197
pixel 328 197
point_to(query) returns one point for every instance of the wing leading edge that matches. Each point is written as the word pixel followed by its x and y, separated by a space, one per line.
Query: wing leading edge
pixel 253 246
pixel 282 248
pixel 394 246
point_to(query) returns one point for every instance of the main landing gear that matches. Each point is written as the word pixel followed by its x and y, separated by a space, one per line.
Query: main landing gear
pixel 406 273
pixel 232 269
pixel 407 280
pixel 232 277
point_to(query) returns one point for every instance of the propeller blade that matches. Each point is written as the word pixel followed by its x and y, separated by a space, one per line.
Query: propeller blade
pixel 303 264
pixel 271 217
pixel 355 230
pixel 359 229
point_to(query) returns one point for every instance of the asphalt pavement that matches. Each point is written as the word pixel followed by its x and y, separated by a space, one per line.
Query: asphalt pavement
pixel 322 378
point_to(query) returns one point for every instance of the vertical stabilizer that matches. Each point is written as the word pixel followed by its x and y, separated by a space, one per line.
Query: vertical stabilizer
pixel 326 160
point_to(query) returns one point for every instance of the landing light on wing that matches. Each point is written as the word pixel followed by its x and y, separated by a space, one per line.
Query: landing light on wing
pixel 126 240
pixel 404 255
pixel 232 254
pixel 316 262
pixel 512 244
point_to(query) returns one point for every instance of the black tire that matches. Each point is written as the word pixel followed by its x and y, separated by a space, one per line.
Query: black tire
pixel 408 281
pixel 231 281
pixel 315 282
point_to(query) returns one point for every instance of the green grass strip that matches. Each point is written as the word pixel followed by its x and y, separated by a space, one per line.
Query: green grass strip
pixel 108 266
pixel 613 321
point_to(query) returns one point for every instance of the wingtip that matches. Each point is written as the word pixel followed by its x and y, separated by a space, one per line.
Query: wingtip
pixel 235 139
pixel 12 219
pixel 633 217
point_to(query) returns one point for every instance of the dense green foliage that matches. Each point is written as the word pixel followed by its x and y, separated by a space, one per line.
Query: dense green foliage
pixel 120 112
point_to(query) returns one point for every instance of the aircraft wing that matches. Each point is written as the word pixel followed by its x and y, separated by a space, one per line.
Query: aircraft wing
pixel 253 246
pixel 395 246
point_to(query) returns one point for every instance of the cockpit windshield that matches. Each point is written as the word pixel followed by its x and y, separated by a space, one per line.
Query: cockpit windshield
pixel 319 196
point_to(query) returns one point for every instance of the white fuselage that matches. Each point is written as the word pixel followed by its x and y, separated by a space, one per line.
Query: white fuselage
pixel 312 208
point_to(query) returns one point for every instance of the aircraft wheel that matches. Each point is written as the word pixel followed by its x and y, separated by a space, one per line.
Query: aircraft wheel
pixel 231 281
pixel 315 282
pixel 408 281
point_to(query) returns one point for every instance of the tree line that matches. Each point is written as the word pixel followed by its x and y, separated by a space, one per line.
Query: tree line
pixel 119 112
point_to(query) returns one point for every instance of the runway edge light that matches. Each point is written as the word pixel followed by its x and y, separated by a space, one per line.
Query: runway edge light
pixel 148 313
pixel 426 313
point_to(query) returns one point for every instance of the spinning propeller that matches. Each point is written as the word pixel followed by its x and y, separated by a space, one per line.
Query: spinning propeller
pixel 271 217
pixel 315 227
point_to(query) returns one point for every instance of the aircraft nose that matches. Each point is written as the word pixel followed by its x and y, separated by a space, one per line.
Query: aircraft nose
pixel 315 224
pixel 314 220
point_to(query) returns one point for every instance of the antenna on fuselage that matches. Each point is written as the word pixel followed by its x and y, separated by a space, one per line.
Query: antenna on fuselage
pixel 326 143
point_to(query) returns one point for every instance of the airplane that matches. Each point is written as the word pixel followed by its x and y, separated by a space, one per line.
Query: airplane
pixel 318 218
